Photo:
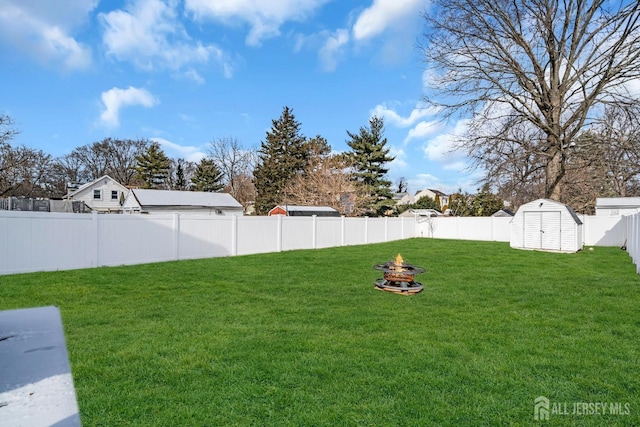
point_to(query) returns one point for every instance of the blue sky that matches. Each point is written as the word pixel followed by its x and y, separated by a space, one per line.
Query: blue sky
pixel 185 72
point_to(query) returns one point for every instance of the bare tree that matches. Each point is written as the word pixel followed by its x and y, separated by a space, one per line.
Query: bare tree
pixel 181 172
pixel 7 131
pixel 234 161
pixel 328 181
pixel 547 63
pixel 113 157
pixel 24 172
pixel 121 155
pixel 616 141
pixel 244 188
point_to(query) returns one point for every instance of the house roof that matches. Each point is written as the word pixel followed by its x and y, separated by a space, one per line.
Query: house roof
pixel 149 198
pixel 618 202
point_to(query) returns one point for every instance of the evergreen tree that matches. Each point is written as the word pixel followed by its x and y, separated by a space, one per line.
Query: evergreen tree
pixel 153 167
pixel 486 204
pixel 282 156
pixel 461 204
pixel 207 177
pixel 370 157
pixel 181 183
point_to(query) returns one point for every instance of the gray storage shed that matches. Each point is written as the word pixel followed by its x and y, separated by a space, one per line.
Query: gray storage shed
pixel 546 225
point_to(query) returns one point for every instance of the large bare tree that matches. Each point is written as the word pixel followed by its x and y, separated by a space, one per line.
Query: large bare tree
pixel 328 181
pixel 236 164
pixel 113 157
pixel 544 63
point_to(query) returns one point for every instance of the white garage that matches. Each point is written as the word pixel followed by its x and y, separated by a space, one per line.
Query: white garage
pixel 546 225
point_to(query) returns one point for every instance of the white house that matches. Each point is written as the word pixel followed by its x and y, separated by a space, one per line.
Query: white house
pixel 196 202
pixel 615 206
pixel 546 225
pixel 102 195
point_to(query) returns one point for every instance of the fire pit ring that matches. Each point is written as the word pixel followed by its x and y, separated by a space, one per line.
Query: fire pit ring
pixel 399 277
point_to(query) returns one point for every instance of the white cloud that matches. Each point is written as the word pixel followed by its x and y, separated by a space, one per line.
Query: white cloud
pixel 192 74
pixel 423 129
pixel 148 34
pixel 114 99
pixel 386 14
pixel 400 161
pixel 392 117
pixel 44 30
pixel 177 151
pixel 442 148
pixel 264 17
pixel 333 48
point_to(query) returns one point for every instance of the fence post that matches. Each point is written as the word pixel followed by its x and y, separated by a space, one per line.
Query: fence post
pixel 234 235
pixel 386 228
pixel 176 236
pixel 314 232
pixel 96 238
pixel 366 230
pixel 342 230
pixel 279 236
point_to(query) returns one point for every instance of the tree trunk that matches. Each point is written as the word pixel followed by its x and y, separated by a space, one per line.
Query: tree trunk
pixel 554 173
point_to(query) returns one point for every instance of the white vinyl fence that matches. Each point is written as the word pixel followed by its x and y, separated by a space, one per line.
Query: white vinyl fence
pixel 42 241
pixel 596 230
pixel 633 238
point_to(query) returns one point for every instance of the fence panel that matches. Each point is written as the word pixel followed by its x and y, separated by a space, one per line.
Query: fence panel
pixel 32 241
pixel 328 232
pixel 134 239
pixel 632 223
pixel 466 228
pixel 376 230
pixel 603 230
pixel 205 236
pixel 355 231
pixel 297 233
pixel 257 235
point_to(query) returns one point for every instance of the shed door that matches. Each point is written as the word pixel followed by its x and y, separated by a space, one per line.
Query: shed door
pixel 542 230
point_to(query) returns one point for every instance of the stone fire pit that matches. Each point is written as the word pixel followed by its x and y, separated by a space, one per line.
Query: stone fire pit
pixel 399 277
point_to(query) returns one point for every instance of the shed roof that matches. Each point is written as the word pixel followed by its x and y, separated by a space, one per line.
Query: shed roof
pixel 148 198
pixel 294 210
pixel 421 212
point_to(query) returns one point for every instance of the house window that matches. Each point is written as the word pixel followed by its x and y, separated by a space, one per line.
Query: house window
pixel 97 194
pixel 114 194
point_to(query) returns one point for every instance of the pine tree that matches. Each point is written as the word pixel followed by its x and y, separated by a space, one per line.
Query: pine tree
pixel 153 167
pixel 181 183
pixel 282 156
pixel 207 177
pixel 370 157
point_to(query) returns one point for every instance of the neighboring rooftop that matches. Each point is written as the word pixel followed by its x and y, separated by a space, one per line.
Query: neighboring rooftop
pixel 184 198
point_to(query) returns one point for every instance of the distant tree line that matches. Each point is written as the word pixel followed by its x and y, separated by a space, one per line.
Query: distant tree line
pixel 288 168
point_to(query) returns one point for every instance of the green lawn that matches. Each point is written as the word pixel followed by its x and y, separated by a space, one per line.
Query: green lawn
pixel 302 338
